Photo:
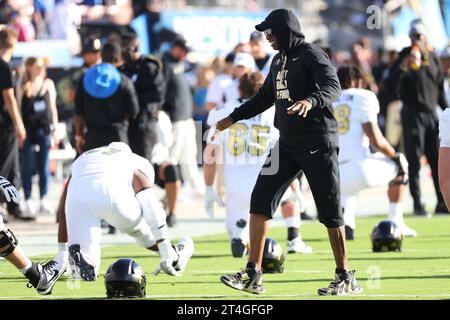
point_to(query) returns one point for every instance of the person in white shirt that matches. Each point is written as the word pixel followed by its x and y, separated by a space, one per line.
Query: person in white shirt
pixel 216 90
pixel 243 149
pixel 114 184
pixel 356 112
pixel 243 63
pixel 444 155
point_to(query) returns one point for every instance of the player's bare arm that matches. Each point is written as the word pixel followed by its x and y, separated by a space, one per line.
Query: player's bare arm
pixel 377 140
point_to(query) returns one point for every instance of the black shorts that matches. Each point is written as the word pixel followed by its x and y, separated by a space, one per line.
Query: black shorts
pixel 158 181
pixel 321 169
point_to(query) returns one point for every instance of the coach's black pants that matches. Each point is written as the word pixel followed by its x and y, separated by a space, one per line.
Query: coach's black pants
pixel 142 140
pixel 9 161
pixel 321 168
pixel 421 136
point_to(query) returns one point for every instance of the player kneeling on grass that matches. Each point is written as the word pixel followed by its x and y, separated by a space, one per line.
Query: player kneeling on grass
pixel 114 184
pixel 242 149
pixel 356 112
pixel 40 276
pixel 444 156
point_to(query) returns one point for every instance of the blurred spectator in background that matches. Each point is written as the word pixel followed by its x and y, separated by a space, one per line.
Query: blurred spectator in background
pixel 21 22
pixel 361 53
pixel 91 49
pixel 105 101
pixel 322 44
pixel 444 155
pixel 146 74
pixel 215 94
pixel 204 76
pixel 261 57
pixel 242 47
pixel 418 77
pixel 12 130
pixel 242 64
pixel 64 20
pixel 178 103
pixel 5 12
pixel 389 118
pixel 36 96
pixel 41 8
pixel 445 61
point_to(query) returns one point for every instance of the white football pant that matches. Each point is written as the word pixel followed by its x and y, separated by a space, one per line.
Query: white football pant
pixel 359 174
pixel 89 200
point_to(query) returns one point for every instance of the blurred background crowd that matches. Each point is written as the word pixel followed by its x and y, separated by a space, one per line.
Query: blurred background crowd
pixel 211 44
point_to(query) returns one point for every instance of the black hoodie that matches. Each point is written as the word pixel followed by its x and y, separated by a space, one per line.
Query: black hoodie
pixel 299 71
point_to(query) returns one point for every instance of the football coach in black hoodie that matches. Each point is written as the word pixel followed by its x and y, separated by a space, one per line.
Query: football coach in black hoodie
pixel 302 84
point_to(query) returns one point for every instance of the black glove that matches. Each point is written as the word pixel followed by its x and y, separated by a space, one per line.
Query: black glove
pixel 9 191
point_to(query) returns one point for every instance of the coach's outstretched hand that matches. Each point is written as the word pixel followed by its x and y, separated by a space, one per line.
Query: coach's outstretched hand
pixel 300 107
pixel 223 124
pixel 10 192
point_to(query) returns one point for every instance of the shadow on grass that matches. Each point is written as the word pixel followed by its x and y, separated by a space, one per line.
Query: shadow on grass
pixel 379 256
pixel 363 279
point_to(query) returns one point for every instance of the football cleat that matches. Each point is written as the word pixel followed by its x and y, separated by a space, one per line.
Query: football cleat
pixel 349 233
pixel 185 250
pixel 247 279
pixel 81 269
pixel 342 284
pixel 238 248
pixel 297 245
pixel 48 275
pixel 238 245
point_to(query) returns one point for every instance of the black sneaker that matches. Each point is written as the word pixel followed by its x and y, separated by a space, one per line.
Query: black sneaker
pixel 43 277
pixel 248 280
pixel 238 247
pixel 349 233
pixel 171 220
pixel 420 211
pixel 111 230
pixel 441 208
pixel 80 267
pixel 343 284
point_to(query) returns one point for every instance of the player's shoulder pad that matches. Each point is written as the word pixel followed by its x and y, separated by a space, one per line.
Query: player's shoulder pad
pixel 220 112
pixel 367 101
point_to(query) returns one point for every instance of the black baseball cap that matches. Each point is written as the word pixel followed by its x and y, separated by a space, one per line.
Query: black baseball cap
pixel 263 26
pixel 92 45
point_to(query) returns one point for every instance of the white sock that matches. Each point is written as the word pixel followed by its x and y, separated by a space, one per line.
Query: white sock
pixel 396 213
pixel 27 267
pixel 293 222
pixel 63 246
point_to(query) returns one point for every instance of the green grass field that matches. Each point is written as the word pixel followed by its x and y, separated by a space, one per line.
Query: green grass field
pixel 421 271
